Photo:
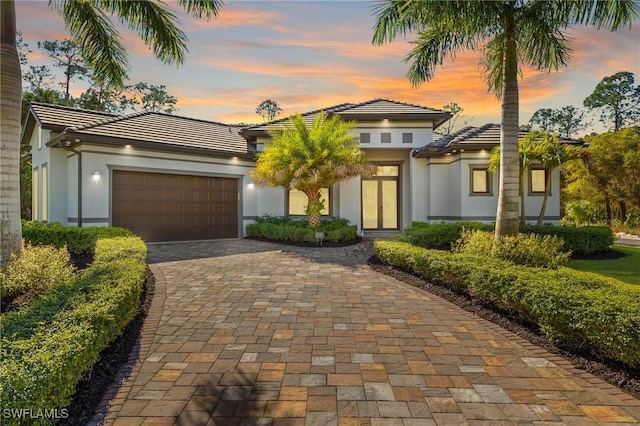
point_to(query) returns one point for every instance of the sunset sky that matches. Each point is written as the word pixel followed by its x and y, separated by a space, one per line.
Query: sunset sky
pixel 308 55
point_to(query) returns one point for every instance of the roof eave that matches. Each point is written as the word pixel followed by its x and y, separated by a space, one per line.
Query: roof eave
pixel 76 139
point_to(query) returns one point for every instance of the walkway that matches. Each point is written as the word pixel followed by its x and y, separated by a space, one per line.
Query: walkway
pixel 251 333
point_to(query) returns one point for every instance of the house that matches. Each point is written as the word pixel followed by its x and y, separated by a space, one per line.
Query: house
pixel 172 178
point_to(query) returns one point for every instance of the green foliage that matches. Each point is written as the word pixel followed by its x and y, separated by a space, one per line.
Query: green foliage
pixel 619 99
pixel 438 235
pixel 34 270
pixel 566 121
pixel 608 177
pixel 579 240
pixel 286 229
pixel 538 251
pixel 49 345
pixel 311 158
pixel 77 240
pixel 577 309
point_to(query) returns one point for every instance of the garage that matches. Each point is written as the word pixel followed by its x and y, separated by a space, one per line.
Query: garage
pixel 173 207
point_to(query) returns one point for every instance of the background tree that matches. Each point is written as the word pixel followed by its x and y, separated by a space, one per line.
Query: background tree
pixel 151 98
pixel 619 99
pixel 67 55
pixel 456 113
pixel 566 121
pixel 309 159
pixel 104 55
pixel 608 177
pixel 509 34
pixel 269 110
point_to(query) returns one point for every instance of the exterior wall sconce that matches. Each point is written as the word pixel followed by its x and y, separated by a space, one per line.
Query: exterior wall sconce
pixel 96 176
pixel 251 185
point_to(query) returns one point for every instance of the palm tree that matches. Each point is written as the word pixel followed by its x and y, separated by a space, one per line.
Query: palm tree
pixel 89 24
pixel 551 154
pixel 510 34
pixel 528 152
pixel 311 158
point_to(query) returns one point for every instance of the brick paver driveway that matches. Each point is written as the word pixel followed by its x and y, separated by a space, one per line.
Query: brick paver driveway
pixel 252 333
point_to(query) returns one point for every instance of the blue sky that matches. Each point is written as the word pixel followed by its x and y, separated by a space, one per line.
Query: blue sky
pixel 312 54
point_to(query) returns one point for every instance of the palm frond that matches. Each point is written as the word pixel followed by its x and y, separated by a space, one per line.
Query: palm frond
pixel 610 14
pixel 99 40
pixel 156 25
pixel 201 8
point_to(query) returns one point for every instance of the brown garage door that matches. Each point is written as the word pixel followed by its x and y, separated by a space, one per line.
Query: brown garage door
pixel 167 207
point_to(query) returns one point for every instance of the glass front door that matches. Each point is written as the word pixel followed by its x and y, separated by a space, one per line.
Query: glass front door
pixel 380 199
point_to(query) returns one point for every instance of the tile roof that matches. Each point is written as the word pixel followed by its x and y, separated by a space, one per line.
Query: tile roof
pixel 373 109
pixel 58 117
pixel 484 137
pixel 153 129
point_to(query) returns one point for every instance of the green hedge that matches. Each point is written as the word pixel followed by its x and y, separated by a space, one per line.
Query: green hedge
pixel 77 240
pixel 580 240
pixel 287 229
pixel 577 308
pixel 49 345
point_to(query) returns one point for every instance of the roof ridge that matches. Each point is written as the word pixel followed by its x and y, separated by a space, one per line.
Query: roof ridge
pixel 333 108
pixel 69 108
pixel 397 103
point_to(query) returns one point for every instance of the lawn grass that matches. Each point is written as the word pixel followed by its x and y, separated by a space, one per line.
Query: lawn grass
pixel 625 269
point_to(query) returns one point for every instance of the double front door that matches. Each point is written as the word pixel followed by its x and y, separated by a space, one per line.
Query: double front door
pixel 380 199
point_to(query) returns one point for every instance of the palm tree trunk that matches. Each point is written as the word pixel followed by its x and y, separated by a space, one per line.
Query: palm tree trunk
pixel 10 108
pixel 313 207
pixel 547 189
pixel 507 214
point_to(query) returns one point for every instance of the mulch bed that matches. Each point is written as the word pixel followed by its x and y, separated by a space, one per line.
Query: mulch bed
pixel 90 390
pixel 600 255
pixel 615 373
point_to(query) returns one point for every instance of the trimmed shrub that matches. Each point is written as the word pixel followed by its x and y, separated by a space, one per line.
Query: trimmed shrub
pixel 287 229
pixel 578 309
pixel 34 270
pixel 438 235
pixel 539 251
pixel 77 240
pixel 579 240
pixel 49 345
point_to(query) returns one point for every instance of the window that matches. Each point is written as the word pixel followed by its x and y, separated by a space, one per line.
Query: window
pixel 480 181
pixel 45 194
pixel 365 137
pixel 407 138
pixel 34 194
pixel 385 137
pixel 537 181
pixel 298 202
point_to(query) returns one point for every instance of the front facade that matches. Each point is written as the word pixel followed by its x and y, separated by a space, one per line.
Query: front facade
pixel 171 178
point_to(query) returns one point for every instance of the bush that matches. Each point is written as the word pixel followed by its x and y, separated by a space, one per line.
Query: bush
pixel 438 235
pixel 49 345
pixel 77 240
pixel 577 309
pixel 539 251
pixel 34 270
pixel 287 229
pixel 579 240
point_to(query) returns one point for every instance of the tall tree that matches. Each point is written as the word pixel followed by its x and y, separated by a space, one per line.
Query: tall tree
pixel 566 121
pixel 67 55
pixel 509 33
pixel 39 77
pixel 619 99
pixel 269 110
pixel 89 24
pixel 311 158
pixel 152 98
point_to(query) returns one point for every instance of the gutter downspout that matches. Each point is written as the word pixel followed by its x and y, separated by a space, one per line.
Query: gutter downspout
pixel 79 154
